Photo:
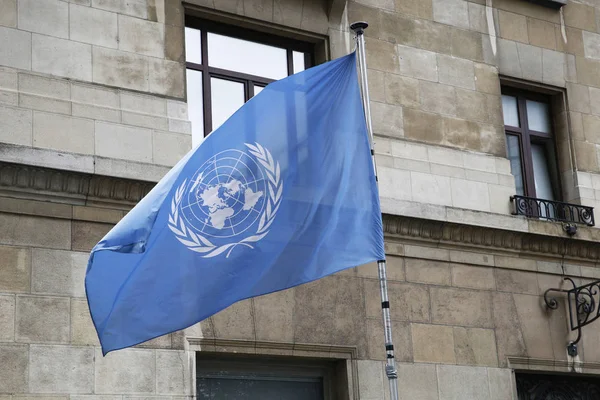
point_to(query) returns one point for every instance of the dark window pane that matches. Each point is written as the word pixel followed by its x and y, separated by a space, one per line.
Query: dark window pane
pixel 516 166
pixel 193 47
pixel 541 172
pixel 195 105
pixel 233 388
pixel 298 59
pixel 226 98
pixel 510 111
pixel 248 57
pixel 538 116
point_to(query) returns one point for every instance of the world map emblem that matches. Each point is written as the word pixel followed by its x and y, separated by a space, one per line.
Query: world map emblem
pixel 230 201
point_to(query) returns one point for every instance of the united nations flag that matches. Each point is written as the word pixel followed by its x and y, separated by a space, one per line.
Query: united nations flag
pixel 283 193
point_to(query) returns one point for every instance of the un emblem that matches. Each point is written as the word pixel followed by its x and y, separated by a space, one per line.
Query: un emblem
pixel 231 200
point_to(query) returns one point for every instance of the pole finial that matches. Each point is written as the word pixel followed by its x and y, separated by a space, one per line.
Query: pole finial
pixel 359 27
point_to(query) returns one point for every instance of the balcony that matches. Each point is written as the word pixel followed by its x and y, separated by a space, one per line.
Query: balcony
pixel 552 210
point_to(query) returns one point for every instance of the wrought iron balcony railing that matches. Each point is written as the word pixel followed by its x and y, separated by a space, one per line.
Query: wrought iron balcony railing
pixel 552 210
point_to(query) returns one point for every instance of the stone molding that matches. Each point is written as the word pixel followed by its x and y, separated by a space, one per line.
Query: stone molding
pixel 550 365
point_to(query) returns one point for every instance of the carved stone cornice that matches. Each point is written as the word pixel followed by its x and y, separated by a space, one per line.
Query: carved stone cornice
pixel 419 229
pixel 31 181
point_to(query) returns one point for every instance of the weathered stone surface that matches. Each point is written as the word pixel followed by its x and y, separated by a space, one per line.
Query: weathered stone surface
pixel 508 58
pixel 453 12
pixel 173 375
pixel 61 369
pixel 428 188
pixel 49 17
pixel 61 57
pixel 8 17
pixel 64 133
pixel 416 63
pixel 486 79
pixel 433 343
pixel 15 51
pixel 16 126
pixel 572 42
pixel 461 133
pixel 370 374
pixel 58 272
pixel 15 269
pixel 274 316
pixel 437 98
pixel 426 271
pixel 580 16
pixel 553 65
pixel 235 322
pixel 401 90
pixel 401 336
pixel 24 230
pixel 13 379
pixel 433 36
pixel 516 281
pixel 125 142
pixel 125 371
pixel 501 384
pixel 382 55
pixel 471 105
pixel 418 8
pixel 461 307
pixel 467 44
pixel 119 68
pixel 410 302
pixel 513 26
pixel 457 382
pixel 587 158
pixel 82 327
pixel 418 382
pixel 94 26
pixel 530 58
pixel 42 319
pixel 541 33
pixel 422 126
pixel 509 338
pixel 535 326
pixel 136 8
pixel 169 148
pixel 474 346
pixel 387 119
pixel 456 71
pixel 7 318
pixel 579 98
pixel 87 234
pixel 142 37
pixel 588 71
pixel 473 277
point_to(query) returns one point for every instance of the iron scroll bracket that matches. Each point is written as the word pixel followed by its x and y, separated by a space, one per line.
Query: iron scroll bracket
pixel 583 307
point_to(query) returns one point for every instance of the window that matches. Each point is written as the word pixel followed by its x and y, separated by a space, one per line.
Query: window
pixel 224 376
pixel 530 144
pixel 227 66
pixel 546 387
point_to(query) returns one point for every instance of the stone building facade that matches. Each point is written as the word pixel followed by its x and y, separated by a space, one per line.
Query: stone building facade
pixel 96 106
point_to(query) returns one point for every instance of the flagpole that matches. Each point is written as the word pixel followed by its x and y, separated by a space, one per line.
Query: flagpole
pixel 390 368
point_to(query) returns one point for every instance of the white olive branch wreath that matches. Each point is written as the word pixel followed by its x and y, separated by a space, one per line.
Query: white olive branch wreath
pixel 199 243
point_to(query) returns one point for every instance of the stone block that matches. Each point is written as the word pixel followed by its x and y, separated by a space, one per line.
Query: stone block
pixel 508 58
pixel 24 230
pixel 13 379
pixel 141 36
pixel 587 158
pixel 431 253
pixel 129 169
pixel 580 16
pixel 513 26
pixel 588 71
pixel 382 55
pixel 477 18
pixel 553 65
pixel 453 12
pixel 173 375
pixel 409 302
pixel 94 26
pixel 473 277
pixel 87 234
pixel 144 120
pixel 7 318
pixel 340 323
pixel 61 369
pixel 83 332
pixel 417 63
pixel 42 319
pixel 591 125
pixel 474 346
pixel 15 51
pixel 180 126
pixel 437 98
pixel 461 307
pixel 471 105
pixel 287 13
pixel 125 142
pixel 530 58
pixel 40 85
pixel 376 86
pixel 179 109
pixel 58 272
pixel 433 343
pixel 94 95
pixel 418 8
pixel 274 316
pixel 387 119
pixel 62 57
pixel 579 98
pixel 591 44
pixel 395 265
pixel 314 17
pixel 167 78
pixel 411 165
pixel 394 183
pixel 541 33
pixel 433 189
pixel 418 382
pixel 48 17
pixel 401 337
pixel 63 133
pixel 470 195
pixel 501 384
pixel 428 272
pixel 467 44
pixel 96 214
pixel 121 69
pixel 8 17
pixel 500 196
pixel 402 90
pixel 370 376
pixel 486 78
pixel 534 324
pixel 456 71
pixel 135 8
pixel 15 126
pixel 409 150
pixel 433 36
pixel 571 41
pixel 452 382
pixel 461 133
pixel 97 113
pixel 44 104
pixel 151 105
pixel 125 371
pixel 235 322
pixel 395 28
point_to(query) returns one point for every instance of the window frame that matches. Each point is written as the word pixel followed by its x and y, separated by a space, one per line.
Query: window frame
pixel 249 81
pixel 527 136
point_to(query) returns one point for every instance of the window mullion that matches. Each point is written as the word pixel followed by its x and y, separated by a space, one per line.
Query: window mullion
pixel 206 90
pixel 526 149
pixel 290 61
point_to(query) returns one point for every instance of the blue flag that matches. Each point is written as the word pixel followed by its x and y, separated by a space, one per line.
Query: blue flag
pixel 283 193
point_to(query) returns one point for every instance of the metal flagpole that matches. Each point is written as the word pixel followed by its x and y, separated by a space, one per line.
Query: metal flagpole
pixel 390 368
